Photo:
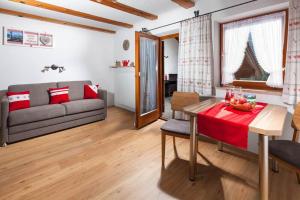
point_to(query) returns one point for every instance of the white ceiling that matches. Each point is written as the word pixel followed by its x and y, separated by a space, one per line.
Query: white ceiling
pixel 156 7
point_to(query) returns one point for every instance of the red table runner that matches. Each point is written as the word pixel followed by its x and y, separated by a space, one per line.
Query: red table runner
pixel 226 124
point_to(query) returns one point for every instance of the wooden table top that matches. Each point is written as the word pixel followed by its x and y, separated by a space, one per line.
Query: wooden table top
pixel 268 122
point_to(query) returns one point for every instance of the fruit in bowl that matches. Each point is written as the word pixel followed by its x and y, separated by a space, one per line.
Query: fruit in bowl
pixel 242 100
pixel 241 104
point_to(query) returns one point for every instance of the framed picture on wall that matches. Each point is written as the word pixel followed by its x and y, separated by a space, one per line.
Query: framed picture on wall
pixel 13 36
pixel 19 37
pixel 45 40
pixel 31 38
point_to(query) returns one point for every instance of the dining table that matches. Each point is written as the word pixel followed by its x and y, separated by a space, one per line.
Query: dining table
pixel 268 123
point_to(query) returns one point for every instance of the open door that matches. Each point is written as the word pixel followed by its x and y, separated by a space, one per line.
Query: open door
pixel 147 79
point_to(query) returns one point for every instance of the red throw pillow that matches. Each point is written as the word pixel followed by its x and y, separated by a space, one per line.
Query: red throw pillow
pixel 18 100
pixel 91 91
pixel 59 95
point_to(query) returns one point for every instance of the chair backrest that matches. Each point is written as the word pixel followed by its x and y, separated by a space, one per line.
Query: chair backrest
pixel 180 100
pixel 296 123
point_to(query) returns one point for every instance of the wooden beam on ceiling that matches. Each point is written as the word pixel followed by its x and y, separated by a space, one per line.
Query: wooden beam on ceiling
pixel 71 12
pixel 52 20
pixel 119 6
pixel 185 3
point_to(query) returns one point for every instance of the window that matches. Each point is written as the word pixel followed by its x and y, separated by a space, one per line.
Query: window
pixel 253 51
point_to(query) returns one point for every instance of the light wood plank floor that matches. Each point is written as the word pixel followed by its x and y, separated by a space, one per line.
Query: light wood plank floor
pixel 112 160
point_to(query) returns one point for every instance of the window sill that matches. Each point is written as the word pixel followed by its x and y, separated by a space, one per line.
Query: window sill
pixel 256 91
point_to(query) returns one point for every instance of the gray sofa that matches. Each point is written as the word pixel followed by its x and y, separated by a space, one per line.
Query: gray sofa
pixel 42 118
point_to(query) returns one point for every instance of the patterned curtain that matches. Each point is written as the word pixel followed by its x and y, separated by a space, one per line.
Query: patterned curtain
pixel 291 88
pixel 195 56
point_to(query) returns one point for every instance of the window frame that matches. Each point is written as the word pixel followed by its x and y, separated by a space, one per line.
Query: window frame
pixel 259 85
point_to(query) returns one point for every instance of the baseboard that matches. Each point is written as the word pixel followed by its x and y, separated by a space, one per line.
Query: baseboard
pixel 125 107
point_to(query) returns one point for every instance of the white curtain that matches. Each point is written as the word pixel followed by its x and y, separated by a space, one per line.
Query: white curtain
pixel 148 77
pixel 235 43
pixel 195 56
pixel 267 38
pixel 291 88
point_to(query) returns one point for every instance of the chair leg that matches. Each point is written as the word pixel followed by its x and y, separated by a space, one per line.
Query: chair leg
pixel 220 146
pixel 275 166
pixel 298 178
pixel 174 146
pixel 163 149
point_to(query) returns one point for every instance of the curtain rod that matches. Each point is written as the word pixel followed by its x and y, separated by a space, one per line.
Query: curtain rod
pixel 200 15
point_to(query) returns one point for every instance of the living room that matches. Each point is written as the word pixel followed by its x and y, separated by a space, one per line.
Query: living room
pixel 103 99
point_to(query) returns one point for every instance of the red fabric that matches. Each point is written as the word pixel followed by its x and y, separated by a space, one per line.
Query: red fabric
pixel 226 124
pixel 91 91
pixel 18 100
pixel 59 95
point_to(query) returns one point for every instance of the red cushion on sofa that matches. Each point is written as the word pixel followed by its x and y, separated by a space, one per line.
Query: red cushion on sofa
pixel 18 100
pixel 91 91
pixel 59 95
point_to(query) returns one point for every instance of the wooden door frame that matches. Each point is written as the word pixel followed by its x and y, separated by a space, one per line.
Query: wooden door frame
pixel 152 115
pixel 162 64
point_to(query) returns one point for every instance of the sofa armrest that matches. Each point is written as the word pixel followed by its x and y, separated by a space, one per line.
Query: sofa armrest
pixel 4 119
pixel 102 94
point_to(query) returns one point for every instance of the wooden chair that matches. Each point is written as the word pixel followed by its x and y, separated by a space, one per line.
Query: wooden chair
pixel 287 153
pixel 177 127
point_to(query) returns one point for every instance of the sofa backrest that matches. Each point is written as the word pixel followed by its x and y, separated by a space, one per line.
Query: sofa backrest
pixel 75 88
pixel 38 92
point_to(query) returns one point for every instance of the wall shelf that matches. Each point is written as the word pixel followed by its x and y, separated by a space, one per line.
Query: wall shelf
pixel 122 67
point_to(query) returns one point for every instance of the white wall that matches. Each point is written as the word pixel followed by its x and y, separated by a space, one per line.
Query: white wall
pixel 85 55
pixel 171 51
pixel 124 88
pixel 203 6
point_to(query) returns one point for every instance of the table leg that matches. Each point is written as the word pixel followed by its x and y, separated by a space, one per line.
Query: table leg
pixel 263 167
pixel 193 153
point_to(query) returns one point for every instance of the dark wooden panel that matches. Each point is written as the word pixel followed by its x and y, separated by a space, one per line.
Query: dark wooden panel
pixel 52 20
pixel 72 12
pixel 128 9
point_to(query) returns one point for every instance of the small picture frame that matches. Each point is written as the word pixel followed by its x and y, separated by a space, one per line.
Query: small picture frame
pixel 13 36
pixel 46 40
pixel 31 39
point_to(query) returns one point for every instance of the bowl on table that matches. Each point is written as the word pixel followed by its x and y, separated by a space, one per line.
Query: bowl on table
pixel 242 104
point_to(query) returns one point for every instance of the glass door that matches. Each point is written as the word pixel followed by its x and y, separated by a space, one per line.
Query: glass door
pixel 147 79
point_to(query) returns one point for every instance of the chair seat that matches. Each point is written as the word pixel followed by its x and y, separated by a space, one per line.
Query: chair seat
pixel 286 150
pixel 177 126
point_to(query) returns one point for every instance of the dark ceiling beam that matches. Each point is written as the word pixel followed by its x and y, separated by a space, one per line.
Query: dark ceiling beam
pixel 185 3
pixel 67 11
pixel 52 20
pixel 119 6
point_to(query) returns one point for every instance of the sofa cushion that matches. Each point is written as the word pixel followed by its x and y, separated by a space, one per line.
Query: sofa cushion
pixel 34 114
pixel 75 88
pixel 84 105
pixel 59 95
pixel 38 92
pixel 49 122
pixel 18 100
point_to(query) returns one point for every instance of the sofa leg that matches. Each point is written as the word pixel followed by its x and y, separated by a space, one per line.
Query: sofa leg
pixel 4 144
pixel 275 167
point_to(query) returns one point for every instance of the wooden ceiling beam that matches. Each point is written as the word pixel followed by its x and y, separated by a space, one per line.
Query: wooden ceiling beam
pixel 125 8
pixel 67 11
pixel 185 3
pixel 52 20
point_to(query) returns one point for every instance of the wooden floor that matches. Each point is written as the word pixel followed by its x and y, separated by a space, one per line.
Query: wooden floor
pixel 111 160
